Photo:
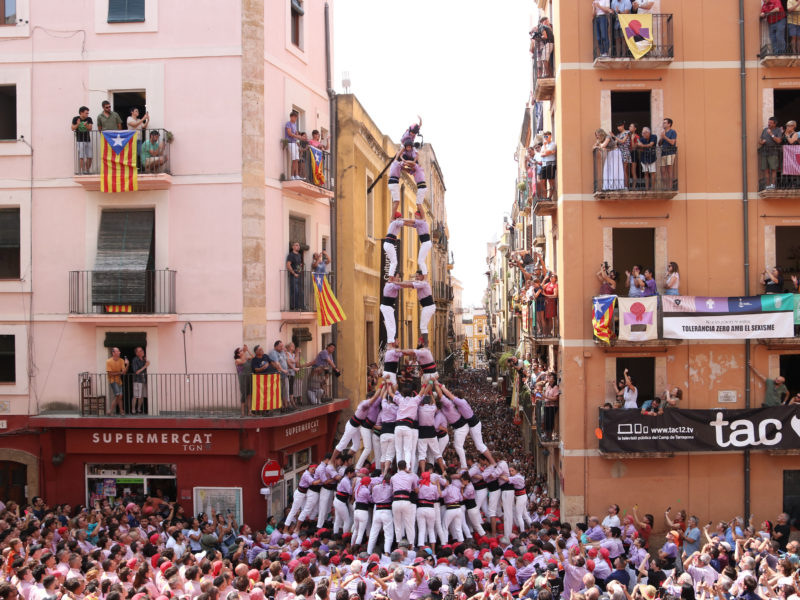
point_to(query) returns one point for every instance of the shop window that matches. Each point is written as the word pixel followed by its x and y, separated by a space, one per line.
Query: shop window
pixel 130 481
pixel 787 253
pixel 642 370
pixel 632 246
pixel 126 11
pixel 9 243
pixel 8 112
pixel 297 11
pixel 8 370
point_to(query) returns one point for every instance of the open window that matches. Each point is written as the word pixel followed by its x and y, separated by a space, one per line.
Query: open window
pixel 630 107
pixel 124 102
pixel 8 359
pixel 642 371
pixel 632 246
pixel 8 112
pixel 787 253
pixel 789 366
pixel 297 10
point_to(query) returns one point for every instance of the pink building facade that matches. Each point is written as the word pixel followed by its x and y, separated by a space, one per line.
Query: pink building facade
pixel 190 266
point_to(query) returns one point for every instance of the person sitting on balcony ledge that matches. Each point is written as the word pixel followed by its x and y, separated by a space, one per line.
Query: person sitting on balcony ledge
pixel 775 15
pixel 153 158
pixel 82 125
pixel 768 157
pixel 292 137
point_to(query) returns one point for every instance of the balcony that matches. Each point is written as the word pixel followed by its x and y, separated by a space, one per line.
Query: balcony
pixel 297 295
pixel 651 174
pixel 779 171
pixel 778 48
pixel 197 395
pixel 539 232
pixel 315 179
pixel 442 292
pixel 610 51
pixel 546 424
pixel 122 296
pixel 543 206
pixel 544 82
pixel 154 168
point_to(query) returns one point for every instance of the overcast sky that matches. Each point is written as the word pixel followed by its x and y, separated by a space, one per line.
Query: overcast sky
pixel 465 68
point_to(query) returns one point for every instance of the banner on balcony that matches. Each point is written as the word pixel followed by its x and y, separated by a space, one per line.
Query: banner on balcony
pixel 603 317
pixel 118 170
pixel 329 311
pixel 638 319
pixel 316 165
pixel 734 318
pixel 679 430
pixel 266 393
pixel 638 32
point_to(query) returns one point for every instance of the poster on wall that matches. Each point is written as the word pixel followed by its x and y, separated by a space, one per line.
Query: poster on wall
pixel 716 430
pixel 110 488
pixel 222 500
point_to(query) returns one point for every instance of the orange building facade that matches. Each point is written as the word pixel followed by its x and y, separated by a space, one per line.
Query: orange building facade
pixel 715 214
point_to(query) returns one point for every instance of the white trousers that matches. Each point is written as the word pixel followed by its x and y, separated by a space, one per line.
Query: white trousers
pixel 381 519
pixel 507 497
pixel 298 502
pixel 351 437
pixel 360 518
pixel 424 249
pixel 387 447
pixel 426 446
pixel 494 503
pixel 477 438
pixel 474 518
pixel 325 504
pixel 426 524
pixel 414 439
pixel 452 524
pixel 391 252
pixel 520 504
pixel 439 523
pixel 443 441
pixel 311 507
pixel 390 323
pixel 404 446
pixel 481 499
pixel 464 525
pixel 366 441
pixel 459 437
pixel 425 316
pixel 342 517
pixel 403 513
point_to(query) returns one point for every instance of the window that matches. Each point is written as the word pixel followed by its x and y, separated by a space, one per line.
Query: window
pixel 642 371
pixel 8 112
pixel 370 226
pixel 787 253
pixel 632 246
pixel 297 233
pixel 126 11
pixel 123 102
pixel 789 365
pixel 9 243
pixel 8 9
pixel 8 370
pixel 297 22
pixel 791 492
pixel 786 106
pixel 631 107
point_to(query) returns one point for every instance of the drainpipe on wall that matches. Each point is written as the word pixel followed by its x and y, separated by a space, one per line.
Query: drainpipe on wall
pixel 333 116
pixel 746 233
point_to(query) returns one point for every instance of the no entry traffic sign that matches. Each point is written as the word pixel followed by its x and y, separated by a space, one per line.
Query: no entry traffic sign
pixel 271 472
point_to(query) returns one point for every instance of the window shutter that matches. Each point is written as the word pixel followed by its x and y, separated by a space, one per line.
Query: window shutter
pixel 9 228
pixel 125 11
pixel 124 256
pixel 297 7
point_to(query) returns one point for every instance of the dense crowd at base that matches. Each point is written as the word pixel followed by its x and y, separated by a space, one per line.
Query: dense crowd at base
pixel 135 548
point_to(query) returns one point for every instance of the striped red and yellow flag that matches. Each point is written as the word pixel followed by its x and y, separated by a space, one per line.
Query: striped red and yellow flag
pixel 119 308
pixel 118 170
pixel 329 311
pixel 266 392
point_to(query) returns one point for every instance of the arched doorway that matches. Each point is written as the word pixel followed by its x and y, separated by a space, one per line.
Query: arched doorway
pixel 13 480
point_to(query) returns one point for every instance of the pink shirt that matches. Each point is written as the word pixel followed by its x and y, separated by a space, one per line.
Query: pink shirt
pixel 403 481
pixel 407 406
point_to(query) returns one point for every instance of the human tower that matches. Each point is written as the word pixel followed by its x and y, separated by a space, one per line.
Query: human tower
pixel 410 494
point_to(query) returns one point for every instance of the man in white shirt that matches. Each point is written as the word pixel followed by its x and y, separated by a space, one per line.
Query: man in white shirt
pixel 399 588
pixel 612 518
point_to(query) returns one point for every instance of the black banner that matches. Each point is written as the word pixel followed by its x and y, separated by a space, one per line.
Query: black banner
pixel 678 430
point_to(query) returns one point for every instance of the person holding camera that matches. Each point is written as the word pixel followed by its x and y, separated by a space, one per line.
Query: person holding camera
pixel 607 278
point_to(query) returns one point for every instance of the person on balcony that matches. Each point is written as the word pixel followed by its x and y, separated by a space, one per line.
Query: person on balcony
pixel 672 280
pixel 153 159
pixel 116 367
pixel 548 165
pixel 320 262
pixel 602 10
pixel 550 291
pixel 607 277
pixel 551 395
pixel 611 159
pixel 108 119
pixel 646 150
pixel 292 137
pixel 241 359
pixel 668 144
pixel 775 15
pixel 636 282
pixel 292 362
pixel 316 141
pixel 650 288
pixel 769 157
pixel 773 281
pixel 620 7
pixel 630 393
pixel 294 270
pixel 139 366
pixel 82 125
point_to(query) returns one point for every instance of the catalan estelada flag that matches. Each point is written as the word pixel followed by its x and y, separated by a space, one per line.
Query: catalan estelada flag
pixel 638 32
pixel 118 171
pixel 266 392
pixel 603 317
pixel 329 311
pixel 316 165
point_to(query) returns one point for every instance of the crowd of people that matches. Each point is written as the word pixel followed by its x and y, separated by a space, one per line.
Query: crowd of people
pixel 538 289
pixel 640 282
pixel 362 546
